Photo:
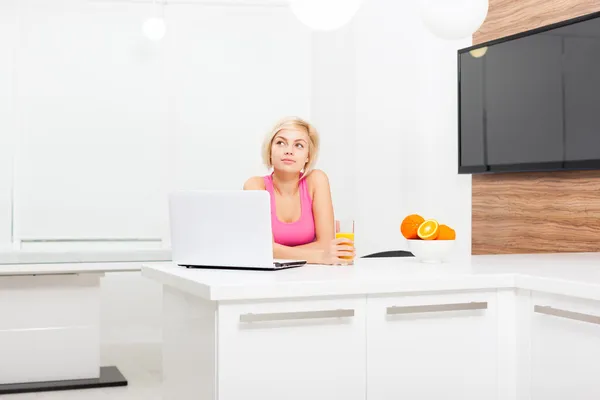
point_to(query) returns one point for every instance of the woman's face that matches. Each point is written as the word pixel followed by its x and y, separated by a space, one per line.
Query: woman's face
pixel 289 150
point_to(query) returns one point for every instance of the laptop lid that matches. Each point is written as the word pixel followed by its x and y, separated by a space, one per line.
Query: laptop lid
pixel 221 228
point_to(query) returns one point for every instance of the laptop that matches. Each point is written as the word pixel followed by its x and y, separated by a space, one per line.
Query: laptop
pixel 223 229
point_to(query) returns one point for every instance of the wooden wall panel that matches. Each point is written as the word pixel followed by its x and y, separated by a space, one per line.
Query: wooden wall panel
pixel 534 212
pixel 537 212
pixel 507 17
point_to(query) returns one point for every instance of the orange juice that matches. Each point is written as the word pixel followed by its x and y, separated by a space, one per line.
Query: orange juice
pixel 345 235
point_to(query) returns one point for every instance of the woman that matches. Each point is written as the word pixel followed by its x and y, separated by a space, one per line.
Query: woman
pixel 301 207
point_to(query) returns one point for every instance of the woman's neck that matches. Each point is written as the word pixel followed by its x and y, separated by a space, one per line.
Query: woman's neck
pixel 286 183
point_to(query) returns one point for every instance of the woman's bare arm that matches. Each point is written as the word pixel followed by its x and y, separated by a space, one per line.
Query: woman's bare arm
pixel 325 249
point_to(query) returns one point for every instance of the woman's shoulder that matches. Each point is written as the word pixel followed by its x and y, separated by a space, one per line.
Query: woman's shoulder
pixel 255 183
pixel 317 180
pixel 317 177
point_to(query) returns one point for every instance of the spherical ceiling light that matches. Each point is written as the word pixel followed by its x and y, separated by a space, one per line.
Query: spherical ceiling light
pixel 453 19
pixel 325 15
pixel 154 28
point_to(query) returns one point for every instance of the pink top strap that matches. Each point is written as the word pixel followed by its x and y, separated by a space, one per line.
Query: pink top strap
pixel 298 232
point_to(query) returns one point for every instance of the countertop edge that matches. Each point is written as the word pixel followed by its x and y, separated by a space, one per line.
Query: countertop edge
pixel 370 287
pixel 72 268
pixel 289 290
pixel 188 286
pixel 71 257
pixel 558 286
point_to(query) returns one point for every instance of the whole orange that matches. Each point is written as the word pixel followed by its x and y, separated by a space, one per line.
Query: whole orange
pixel 446 233
pixel 410 226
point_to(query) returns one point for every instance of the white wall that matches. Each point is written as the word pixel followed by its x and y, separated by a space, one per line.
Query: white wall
pixel 333 111
pixel 234 71
pixel 406 110
pixel 384 96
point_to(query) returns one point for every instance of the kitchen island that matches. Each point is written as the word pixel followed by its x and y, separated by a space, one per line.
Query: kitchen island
pixel 487 327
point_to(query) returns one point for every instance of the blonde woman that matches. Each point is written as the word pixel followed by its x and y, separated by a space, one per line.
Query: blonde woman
pixel 301 208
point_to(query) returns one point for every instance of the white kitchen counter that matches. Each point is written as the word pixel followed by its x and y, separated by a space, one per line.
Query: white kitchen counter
pixel 17 257
pixel 50 319
pixel 69 268
pixel 508 327
pixel 568 274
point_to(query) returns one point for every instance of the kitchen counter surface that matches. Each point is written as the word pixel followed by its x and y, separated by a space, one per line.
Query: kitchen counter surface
pixel 15 259
pixel 565 273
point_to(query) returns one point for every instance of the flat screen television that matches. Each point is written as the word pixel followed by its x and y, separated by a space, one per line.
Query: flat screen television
pixel 531 101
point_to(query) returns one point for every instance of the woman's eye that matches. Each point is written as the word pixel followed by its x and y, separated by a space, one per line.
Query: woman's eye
pixel 300 145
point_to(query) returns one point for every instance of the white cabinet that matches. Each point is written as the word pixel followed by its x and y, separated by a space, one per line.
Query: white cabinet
pixel 107 122
pixel 565 348
pixel 471 345
pixel 292 350
pixel 92 127
pixel 8 31
pixel 49 327
pixel 432 347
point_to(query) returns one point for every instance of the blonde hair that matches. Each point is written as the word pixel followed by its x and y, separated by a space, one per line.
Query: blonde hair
pixel 293 123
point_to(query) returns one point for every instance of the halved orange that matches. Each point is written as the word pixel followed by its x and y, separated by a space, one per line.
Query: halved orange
pixel 429 230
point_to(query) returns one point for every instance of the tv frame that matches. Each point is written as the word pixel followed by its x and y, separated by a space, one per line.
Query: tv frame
pixel 522 167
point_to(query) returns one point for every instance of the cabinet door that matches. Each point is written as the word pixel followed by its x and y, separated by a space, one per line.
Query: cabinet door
pixel 293 350
pixel 432 347
pixel 91 127
pixel 565 348
pixel 9 29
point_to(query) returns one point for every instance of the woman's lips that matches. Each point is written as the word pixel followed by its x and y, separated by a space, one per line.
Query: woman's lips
pixel 288 161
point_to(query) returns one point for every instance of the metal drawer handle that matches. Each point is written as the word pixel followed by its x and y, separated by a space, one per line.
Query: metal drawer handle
pixel 436 308
pixel 286 316
pixel 592 319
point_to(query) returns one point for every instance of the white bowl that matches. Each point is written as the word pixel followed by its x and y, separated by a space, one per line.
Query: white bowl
pixel 431 251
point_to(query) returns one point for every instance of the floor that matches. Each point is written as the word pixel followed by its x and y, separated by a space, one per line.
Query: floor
pixel 141 365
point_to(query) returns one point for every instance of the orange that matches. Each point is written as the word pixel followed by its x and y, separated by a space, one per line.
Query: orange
pixel 410 225
pixel 429 230
pixel 446 233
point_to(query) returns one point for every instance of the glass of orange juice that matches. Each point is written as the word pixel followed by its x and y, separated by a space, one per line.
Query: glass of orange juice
pixel 344 228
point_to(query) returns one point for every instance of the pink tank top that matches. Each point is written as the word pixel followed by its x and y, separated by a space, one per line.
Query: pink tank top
pixel 295 233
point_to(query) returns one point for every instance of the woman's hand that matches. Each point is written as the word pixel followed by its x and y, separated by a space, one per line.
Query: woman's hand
pixel 339 252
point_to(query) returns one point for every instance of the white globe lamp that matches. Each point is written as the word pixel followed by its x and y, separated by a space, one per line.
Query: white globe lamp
pixel 453 19
pixel 325 15
pixel 154 28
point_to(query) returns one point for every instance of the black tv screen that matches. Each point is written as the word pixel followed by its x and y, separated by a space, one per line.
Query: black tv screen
pixel 531 102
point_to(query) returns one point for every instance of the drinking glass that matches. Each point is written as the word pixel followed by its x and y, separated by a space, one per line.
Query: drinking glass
pixel 344 228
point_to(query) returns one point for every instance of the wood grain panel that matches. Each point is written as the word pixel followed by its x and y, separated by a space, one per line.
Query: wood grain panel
pixel 507 17
pixel 536 212
pixel 549 212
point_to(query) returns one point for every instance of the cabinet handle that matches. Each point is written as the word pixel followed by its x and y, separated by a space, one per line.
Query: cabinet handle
pixel 394 310
pixel 286 316
pixel 592 319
